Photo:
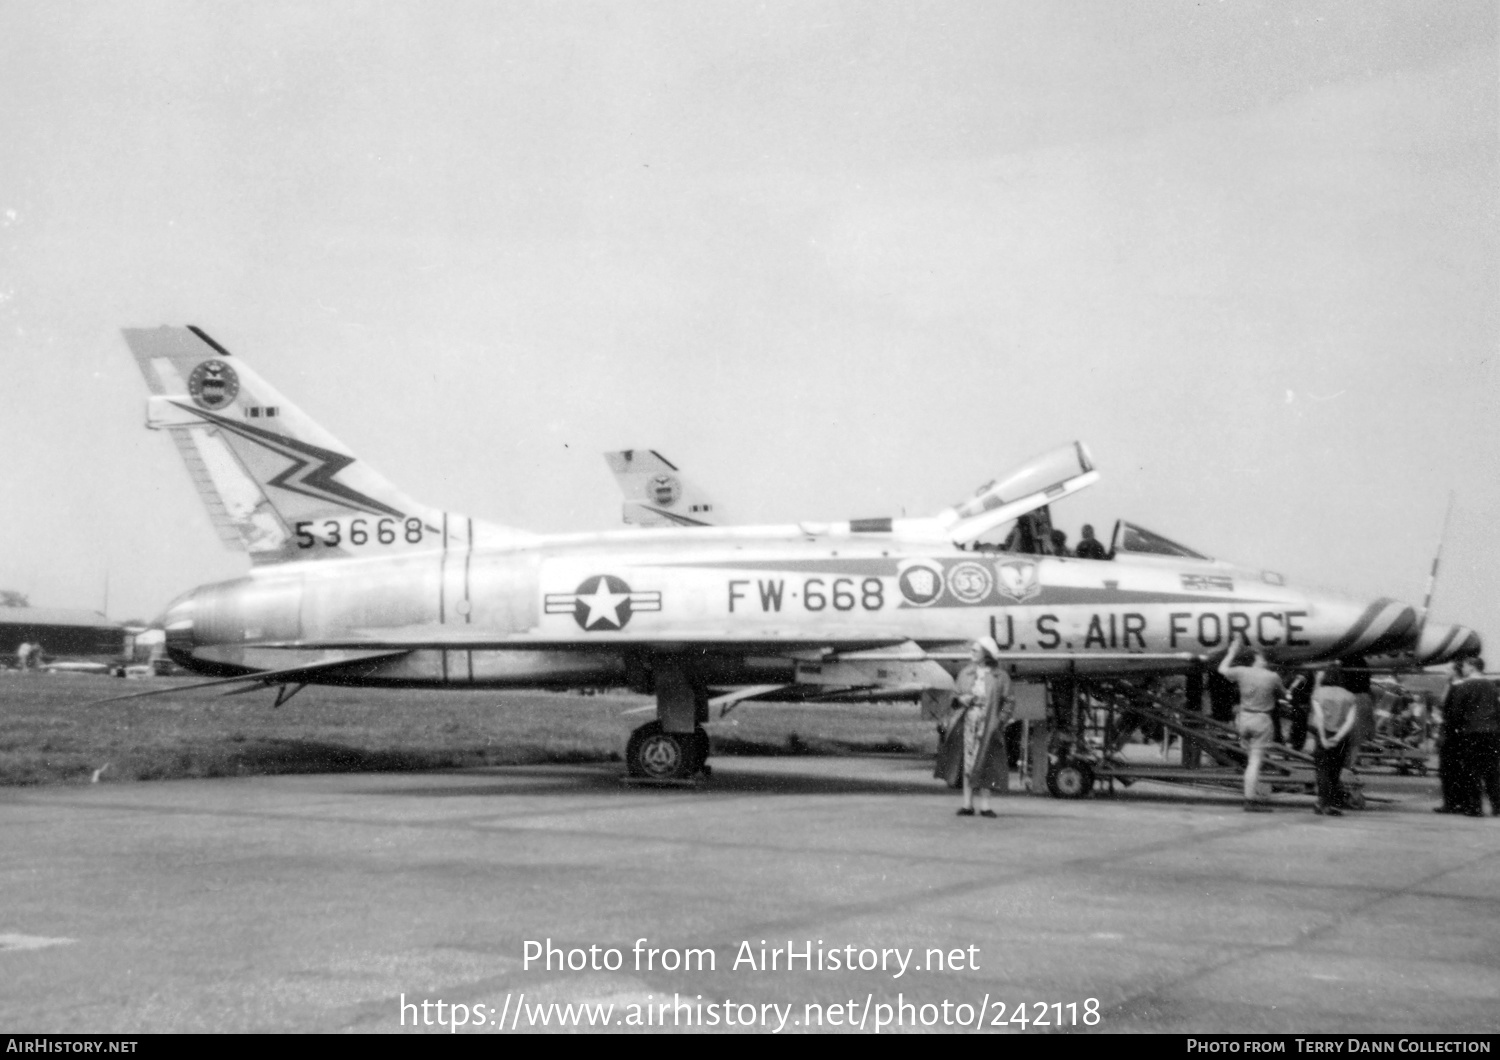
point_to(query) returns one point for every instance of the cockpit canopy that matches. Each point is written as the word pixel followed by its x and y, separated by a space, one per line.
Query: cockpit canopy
pixel 1038 482
pixel 1024 497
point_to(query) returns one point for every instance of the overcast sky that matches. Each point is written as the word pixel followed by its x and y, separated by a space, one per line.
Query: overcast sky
pixel 834 259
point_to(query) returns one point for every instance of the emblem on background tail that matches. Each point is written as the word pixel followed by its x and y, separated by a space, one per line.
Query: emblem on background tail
pixel 665 490
pixel 213 385
pixel 1018 579
pixel 602 602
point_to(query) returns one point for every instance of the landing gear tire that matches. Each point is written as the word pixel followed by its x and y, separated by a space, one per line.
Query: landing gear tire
pixel 654 754
pixel 1070 779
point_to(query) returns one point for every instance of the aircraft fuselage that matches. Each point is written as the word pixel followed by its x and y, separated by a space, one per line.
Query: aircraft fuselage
pixel 747 604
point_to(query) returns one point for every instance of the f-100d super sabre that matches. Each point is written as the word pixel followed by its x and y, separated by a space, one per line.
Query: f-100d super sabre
pixel 354 583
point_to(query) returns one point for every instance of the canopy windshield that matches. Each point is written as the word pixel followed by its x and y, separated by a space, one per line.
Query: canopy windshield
pixel 1130 537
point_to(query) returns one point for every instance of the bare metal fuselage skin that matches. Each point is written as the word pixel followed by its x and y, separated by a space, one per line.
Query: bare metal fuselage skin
pixel 749 605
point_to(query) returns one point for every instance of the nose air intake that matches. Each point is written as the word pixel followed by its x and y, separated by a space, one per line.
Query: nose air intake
pixel 1446 644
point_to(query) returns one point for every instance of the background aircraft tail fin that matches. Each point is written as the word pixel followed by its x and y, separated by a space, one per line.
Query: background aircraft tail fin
pixel 275 483
pixel 657 493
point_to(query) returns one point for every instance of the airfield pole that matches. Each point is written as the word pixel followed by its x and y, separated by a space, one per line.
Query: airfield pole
pixel 1034 705
pixel 1432 575
pixel 1062 713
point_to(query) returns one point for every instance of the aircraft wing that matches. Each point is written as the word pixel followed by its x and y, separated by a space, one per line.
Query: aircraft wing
pixel 854 648
pixel 476 639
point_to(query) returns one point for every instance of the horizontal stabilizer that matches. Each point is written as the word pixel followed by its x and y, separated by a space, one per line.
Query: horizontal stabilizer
pixel 354 663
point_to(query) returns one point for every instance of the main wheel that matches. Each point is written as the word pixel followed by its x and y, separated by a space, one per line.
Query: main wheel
pixel 1072 778
pixel 655 754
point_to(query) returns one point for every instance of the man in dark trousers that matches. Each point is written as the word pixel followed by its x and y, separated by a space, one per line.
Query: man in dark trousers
pixel 1448 748
pixel 1298 710
pixel 1487 733
pixel 1468 762
pixel 1481 756
pixel 1332 718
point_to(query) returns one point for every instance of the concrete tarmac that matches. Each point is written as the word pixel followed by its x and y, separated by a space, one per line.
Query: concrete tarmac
pixel 322 903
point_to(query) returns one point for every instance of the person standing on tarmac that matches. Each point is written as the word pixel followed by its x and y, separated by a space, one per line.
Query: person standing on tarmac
pixel 1448 748
pixel 1357 681
pixel 1484 732
pixel 974 747
pixel 1334 714
pixel 1471 733
pixel 1298 709
pixel 1259 687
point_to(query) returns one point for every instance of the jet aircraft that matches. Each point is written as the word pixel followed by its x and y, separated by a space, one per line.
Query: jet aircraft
pixel 354 583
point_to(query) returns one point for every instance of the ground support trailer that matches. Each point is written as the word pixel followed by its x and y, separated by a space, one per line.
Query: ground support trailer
pixel 1107 711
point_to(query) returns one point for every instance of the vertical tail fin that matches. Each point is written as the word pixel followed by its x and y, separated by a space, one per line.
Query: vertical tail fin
pixel 275 483
pixel 656 493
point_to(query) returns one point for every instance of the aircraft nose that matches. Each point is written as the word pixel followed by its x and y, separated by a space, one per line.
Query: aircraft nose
pixel 1445 644
pixel 1382 626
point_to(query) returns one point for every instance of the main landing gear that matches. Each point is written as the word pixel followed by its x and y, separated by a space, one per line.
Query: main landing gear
pixel 674 746
pixel 655 754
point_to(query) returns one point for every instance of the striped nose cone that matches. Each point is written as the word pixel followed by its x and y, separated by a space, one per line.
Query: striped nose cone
pixel 1383 626
pixel 1445 644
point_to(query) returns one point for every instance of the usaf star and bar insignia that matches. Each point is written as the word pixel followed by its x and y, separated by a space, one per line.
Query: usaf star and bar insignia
pixel 602 603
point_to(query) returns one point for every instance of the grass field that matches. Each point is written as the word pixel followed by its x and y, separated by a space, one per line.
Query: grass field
pixel 50 733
